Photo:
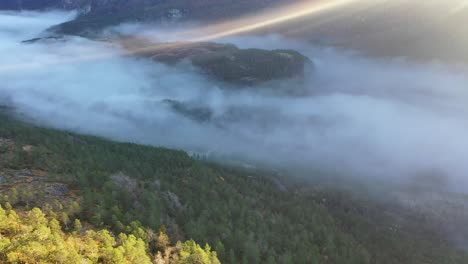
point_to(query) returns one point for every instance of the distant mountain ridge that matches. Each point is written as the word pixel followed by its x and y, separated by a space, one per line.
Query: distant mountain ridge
pixel 43 4
pixel 97 14
pixel 119 5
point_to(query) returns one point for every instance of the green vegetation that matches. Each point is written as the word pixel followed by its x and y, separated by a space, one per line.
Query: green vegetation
pixel 244 215
pixel 228 63
pixel 31 237
pixel 252 66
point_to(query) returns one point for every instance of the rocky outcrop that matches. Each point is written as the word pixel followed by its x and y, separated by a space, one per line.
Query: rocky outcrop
pixel 228 63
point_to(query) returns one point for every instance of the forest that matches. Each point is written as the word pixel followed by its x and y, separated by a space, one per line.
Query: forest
pixel 68 198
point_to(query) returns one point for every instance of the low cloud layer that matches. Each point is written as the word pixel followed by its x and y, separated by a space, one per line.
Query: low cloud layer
pixel 371 118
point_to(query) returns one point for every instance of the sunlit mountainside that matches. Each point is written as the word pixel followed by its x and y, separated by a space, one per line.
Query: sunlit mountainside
pixel 158 197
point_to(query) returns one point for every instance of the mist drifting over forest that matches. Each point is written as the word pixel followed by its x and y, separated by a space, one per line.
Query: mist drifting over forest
pixel 369 117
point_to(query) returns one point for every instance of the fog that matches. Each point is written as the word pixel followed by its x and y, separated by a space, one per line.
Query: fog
pixel 369 118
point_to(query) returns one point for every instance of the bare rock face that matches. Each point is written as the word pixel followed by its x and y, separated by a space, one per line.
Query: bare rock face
pixel 56 189
pixel 125 182
pixel 23 173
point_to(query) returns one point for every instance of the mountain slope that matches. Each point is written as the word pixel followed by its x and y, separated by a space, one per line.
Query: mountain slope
pixel 96 15
pixel 34 237
pixel 244 214
pixel 42 4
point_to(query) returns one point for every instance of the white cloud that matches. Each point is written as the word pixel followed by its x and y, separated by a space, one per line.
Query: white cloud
pixel 373 118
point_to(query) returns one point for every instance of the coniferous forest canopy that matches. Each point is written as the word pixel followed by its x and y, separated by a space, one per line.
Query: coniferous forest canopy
pixel 220 131
pixel 67 197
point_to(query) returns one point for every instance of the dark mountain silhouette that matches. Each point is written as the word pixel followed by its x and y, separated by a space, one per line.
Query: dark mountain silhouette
pixel 97 14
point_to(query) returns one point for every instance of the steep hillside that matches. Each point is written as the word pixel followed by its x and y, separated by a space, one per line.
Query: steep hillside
pixel 248 216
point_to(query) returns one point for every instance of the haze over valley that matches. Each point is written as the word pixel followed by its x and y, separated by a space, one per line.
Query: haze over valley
pixel 368 98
